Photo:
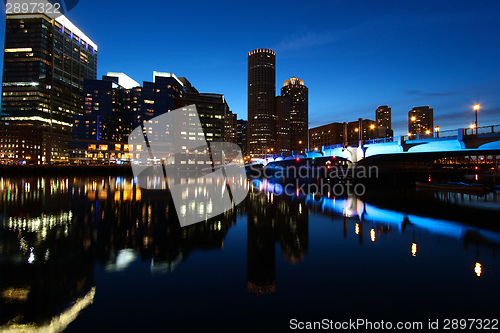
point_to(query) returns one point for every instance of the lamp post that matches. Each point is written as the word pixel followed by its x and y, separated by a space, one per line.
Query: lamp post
pixel 476 107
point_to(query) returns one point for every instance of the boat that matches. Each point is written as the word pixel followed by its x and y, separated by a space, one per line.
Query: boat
pixel 454 187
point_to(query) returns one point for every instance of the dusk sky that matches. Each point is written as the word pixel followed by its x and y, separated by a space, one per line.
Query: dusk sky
pixel 352 55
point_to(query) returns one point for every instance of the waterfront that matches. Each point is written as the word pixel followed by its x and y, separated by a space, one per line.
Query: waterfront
pixel 99 254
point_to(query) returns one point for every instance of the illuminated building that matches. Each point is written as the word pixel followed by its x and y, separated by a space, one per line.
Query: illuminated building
pixel 420 120
pixel 261 94
pixel 230 134
pixel 116 105
pixel 241 129
pixel 212 110
pixel 362 129
pixel 282 125
pixel 45 63
pixel 96 122
pixel 295 89
pixel 21 144
pixel 383 119
pixel 159 96
pixel 341 133
pixel 109 113
pixel 326 135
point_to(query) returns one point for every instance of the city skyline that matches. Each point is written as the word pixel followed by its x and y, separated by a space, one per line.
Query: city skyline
pixel 359 55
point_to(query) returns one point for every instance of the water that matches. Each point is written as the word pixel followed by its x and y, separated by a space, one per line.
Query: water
pixel 99 254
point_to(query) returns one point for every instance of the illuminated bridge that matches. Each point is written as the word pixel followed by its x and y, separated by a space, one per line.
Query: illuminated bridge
pixel 460 142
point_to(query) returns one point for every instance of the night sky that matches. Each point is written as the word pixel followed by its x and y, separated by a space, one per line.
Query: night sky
pixel 352 55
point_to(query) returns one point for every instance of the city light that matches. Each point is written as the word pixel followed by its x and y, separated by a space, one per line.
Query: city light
pixel 476 108
pixel 414 249
pixel 478 269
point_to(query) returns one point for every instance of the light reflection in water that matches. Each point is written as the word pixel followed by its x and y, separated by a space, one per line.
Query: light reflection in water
pixel 414 249
pixel 477 269
pixel 124 224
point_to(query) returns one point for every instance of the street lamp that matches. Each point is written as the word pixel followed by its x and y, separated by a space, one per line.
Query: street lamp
pixel 436 130
pixel 476 107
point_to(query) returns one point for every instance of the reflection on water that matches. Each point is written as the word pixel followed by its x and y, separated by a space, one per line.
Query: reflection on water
pixel 55 231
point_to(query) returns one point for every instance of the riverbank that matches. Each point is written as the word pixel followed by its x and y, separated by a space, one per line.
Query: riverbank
pixel 65 170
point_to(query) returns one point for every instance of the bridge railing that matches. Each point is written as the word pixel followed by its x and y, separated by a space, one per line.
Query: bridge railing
pixel 338 145
pixel 446 134
pixel 380 140
pixel 483 130
pixel 432 135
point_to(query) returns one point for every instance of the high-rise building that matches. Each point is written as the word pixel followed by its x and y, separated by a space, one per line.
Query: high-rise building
pixel 383 119
pixel 212 110
pixel 420 120
pixel 295 89
pixel 241 129
pixel 45 63
pixel 261 94
pixel 282 125
pixel 97 121
pixel 159 96
pixel 230 134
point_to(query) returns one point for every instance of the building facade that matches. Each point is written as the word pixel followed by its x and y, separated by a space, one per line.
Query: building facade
pixel 261 94
pixel 231 130
pixel 326 135
pixel 343 133
pixel 21 144
pixel 384 121
pixel 241 130
pixel 45 63
pixel 297 92
pixel 420 120
pixel 282 133
pixel 362 129
pixel 212 110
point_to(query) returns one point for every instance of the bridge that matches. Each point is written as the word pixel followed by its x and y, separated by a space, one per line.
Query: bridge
pixel 459 142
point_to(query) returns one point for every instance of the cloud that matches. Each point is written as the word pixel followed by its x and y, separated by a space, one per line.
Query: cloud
pixel 427 94
pixel 310 39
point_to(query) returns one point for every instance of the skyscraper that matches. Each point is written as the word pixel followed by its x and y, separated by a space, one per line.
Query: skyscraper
pixel 242 126
pixel 383 119
pixel 420 120
pixel 45 63
pixel 261 94
pixel 231 131
pixel 295 89
pixel 282 125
